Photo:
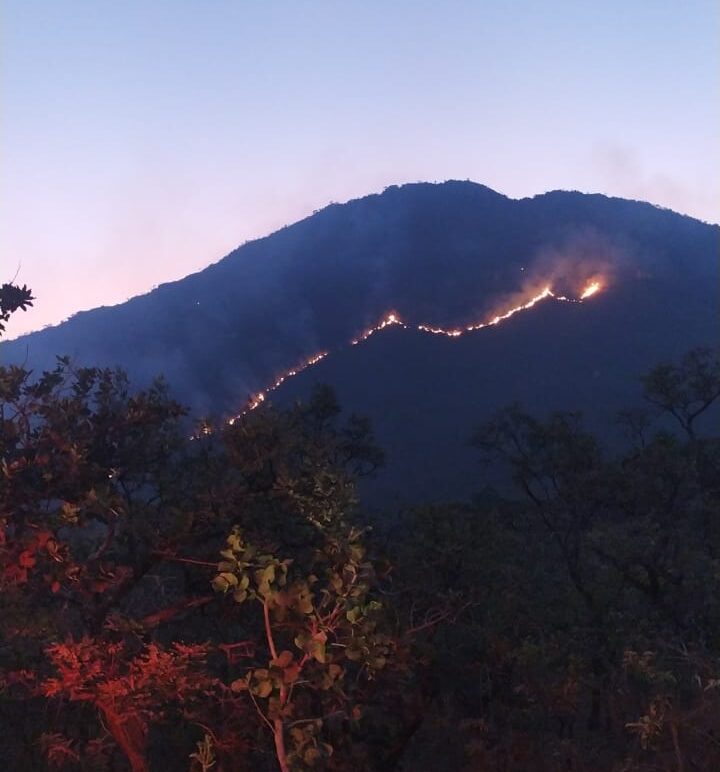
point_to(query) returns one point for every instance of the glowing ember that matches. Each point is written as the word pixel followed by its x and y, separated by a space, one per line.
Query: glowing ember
pixel 257 399
pixel 393 318
pixel 591 289
pixel 440 331
pixel 546 293
pixel 387 321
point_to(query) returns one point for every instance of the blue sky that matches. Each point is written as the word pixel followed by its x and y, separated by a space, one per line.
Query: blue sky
pixel 143 140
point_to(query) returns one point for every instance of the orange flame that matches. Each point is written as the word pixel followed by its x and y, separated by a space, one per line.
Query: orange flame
pixel 393 318
pixel 593 287
pixel 388 320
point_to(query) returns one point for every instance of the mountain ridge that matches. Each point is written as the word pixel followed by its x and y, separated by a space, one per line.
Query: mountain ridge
pixel 449 253
pixel 391 188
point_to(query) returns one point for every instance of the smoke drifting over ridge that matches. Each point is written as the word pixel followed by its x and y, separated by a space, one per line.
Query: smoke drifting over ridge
pixel 583 257
pixel 447 256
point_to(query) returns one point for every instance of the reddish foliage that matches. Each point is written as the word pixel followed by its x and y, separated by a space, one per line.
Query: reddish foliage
pixel 131 690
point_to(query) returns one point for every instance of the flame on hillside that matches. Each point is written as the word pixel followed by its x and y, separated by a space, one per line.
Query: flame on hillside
pixel 591 288
pixel 392 318
pixel 388 320
pixel 257 399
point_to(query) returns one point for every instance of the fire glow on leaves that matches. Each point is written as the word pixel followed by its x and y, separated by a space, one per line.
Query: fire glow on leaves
pixel 393 318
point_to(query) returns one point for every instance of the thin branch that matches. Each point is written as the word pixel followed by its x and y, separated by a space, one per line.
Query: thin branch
pixel 441 616
pixel 109 537
pixel 153 620
pixel 175 559
pixel 268 630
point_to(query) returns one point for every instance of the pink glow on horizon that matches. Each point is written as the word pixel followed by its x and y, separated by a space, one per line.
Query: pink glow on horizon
pixel 142 142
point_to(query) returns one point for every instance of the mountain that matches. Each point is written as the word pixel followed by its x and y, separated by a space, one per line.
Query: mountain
pixel 442 255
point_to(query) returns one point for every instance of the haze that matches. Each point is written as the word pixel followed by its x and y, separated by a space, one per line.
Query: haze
pixel 142 141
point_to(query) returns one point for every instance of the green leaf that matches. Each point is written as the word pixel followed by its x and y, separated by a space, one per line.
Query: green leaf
pixel 263 689
pixel 229 577
pixel 268 573
pixel 234 542
pixel 311 755
pixel 284 659
pixel 220 584
pixel 301 640
pixel 69 512
pixel 317 647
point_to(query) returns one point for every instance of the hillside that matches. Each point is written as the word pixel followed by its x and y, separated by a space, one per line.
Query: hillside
pixel 440 255
pixel 425 394
pixel 449 253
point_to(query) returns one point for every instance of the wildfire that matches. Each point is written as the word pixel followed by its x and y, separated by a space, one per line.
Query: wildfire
pixel 456 333
pixel 257 399
pixel 440 331
pixel 387 321
pixel 546 293
pixel 591 289
pixel 393 318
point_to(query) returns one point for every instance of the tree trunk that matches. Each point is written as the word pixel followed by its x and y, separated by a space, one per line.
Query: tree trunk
pixel 130 733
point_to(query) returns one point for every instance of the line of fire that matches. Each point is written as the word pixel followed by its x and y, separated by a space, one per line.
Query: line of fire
pixel 392 318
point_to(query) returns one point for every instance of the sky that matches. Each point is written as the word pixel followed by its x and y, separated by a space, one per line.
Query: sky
pixel 141 141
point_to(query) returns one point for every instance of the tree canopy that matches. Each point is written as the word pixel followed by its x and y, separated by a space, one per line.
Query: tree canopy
pixel 13 298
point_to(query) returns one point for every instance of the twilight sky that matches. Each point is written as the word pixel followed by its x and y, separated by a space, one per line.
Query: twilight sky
pixel 143 140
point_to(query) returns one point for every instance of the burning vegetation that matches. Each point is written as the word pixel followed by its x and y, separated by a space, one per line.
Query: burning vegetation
pixel 392 318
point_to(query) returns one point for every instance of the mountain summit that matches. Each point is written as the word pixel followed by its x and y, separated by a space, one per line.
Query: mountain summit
pixel 448 255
